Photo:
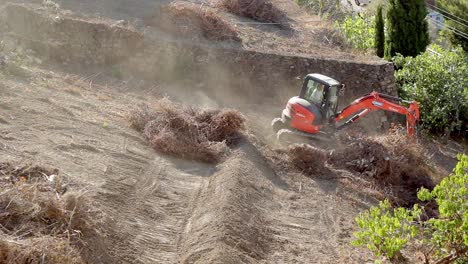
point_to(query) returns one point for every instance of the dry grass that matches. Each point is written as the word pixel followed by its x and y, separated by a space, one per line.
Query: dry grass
pixel 189 19
pixel 190 133
pixel 44 249
pixel 15 69
pixel 40 221
pixel 73 90
pixel 259 10
pixel 329 35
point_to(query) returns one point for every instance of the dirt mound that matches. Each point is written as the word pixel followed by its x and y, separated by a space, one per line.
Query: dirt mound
pixel 187 132
pixel 259 10
pixel 193 20
pixel 396 165
pixel 41 222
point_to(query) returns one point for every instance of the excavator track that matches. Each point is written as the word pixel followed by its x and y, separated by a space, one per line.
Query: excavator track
pixel 322 140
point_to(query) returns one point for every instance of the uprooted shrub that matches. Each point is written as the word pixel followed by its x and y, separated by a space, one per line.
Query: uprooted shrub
pixel 195 20
pixel 187 132
pixel 259 10
pixel 41 221
pixel 308 159
pixel 397 166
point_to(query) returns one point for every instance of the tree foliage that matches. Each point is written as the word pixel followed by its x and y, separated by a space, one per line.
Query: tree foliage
pixel 407 30
pixel 386 230
pixel 449 233
pixel 438 81
pixel 457 13
pixel 379 33
pixel 358 31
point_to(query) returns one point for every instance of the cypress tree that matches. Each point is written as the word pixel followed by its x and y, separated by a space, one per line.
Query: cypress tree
pixel 407 30
pixel 379 33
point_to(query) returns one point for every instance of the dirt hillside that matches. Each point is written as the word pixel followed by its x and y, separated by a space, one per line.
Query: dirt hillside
pixel 252 206
pixel 163 209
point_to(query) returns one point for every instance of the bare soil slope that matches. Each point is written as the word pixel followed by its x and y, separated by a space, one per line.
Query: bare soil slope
pixel 249 208
pixel 162 209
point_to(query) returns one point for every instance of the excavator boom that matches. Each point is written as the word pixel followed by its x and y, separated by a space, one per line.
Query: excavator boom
pixel 377 101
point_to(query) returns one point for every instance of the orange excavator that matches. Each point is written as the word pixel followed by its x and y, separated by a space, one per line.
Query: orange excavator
pixel 313 114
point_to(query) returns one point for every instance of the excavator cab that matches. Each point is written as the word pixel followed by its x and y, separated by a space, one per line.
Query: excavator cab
pixel 315 106
pixel 323 92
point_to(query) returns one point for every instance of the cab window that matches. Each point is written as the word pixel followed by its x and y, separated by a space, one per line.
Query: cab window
pixel 332 101
pixel 314 92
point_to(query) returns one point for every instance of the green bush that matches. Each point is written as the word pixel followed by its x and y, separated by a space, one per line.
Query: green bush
pixel 386 231
pixel 358 31
pixel 407 29
pixel 379 33
pixel 438 81
pixel 449 233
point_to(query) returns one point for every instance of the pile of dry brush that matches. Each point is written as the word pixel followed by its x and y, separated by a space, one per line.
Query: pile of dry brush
pixel 187 132
pixel 392 163
pixel 259 10
pixel 40 222
pixel 195 20
pixel 308 159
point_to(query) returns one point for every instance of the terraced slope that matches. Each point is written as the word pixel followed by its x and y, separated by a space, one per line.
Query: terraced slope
pixel 161 209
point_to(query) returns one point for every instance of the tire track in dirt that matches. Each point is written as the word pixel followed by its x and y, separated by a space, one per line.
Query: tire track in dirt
pixel 145 196
pixel 230 222
pixel 152 208
pixel 161 210
pixel 164 210
pixel 314 223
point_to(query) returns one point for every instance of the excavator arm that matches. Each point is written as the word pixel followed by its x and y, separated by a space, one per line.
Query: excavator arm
pixel 377 101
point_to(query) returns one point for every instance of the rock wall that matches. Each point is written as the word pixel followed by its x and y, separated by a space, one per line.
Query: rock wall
pixel 271 71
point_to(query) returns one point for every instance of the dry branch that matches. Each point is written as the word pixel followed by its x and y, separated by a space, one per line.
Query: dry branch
pixel 190 133
pixel 37 222
pixel 189 19
pixel 258 10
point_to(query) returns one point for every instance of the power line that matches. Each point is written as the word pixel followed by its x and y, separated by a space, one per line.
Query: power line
pixel 453 30
pixel 434 52
pixel 449 27
pixel 449 18
pixel 448 13
pixel 277 23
